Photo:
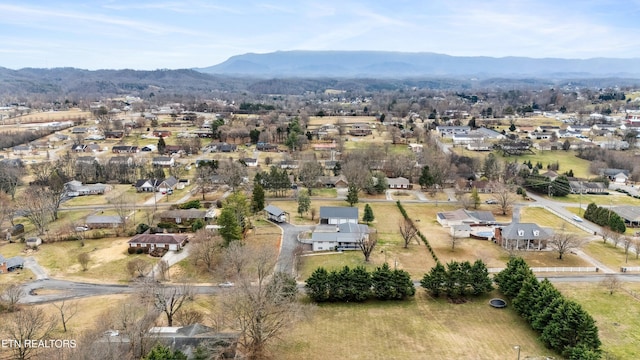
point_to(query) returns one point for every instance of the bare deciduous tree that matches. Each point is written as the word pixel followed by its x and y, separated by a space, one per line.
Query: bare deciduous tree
pixel 122 204
pixel 31 324
pixel 167 299
pixel 236 258
pixel 67 311
pixel 37 208
pixel 263 305
pixel 187 317
pixel 627 241
pixel 137 267
pixel 163 270
pixel 408 231
pixel 564 242
pixel 504 195
pixel 11 295
pixel 367 242
pixel 611 283
pixel 206 248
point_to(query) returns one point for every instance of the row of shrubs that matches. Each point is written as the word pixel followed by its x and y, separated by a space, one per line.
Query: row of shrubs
pixel 628 193
pixel 563 324
pixel 420 234
pixel 458 279
pixel 357 284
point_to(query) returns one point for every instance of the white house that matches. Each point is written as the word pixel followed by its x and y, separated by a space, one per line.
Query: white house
pixel 276 214
pixel 164 161
pixel 345 236
pixel 399 183
pixel 172 242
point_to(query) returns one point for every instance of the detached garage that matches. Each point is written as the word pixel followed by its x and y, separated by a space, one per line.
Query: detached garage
pixel 334 215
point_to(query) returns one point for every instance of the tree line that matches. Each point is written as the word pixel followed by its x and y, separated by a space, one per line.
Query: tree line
pixel 605 217
pixel 563 324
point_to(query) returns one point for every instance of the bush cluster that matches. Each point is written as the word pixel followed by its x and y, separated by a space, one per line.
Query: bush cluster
pixel 458 279
pixel 357 284
pixel 192 204
pixel 563 324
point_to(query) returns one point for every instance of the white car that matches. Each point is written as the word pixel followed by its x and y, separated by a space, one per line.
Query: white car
pixel 577 218
pixel 82 228
pixel 226 284
pixel 491 201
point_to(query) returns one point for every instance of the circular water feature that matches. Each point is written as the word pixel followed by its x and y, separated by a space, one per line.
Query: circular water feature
pixel 497 303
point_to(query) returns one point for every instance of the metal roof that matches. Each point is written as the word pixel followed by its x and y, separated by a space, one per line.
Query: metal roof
pixel 340 212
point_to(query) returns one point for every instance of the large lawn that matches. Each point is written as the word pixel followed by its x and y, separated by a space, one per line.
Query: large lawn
pixel 567 160
pixel 420 328
pixel 614 198
pixel 617 316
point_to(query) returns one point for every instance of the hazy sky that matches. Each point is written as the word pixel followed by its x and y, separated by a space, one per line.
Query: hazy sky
pixel 134 34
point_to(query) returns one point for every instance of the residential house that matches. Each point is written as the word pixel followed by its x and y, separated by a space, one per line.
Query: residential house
pixel 149 148
pixel 478 146
pixel 399 183
pixel 183 216
pixel 120 160
pixel 151 185
pixel 261 146
pixel 163 133
pixel 540 135
pixel 191 337
pixel 339 181
pixel 619 176
pixel 467 138
pixel 360 130
pixel 605 127
pixel 289 164
pixel 344 236
pixel 614 144
pixel 334 215
pixel 10 264
pixel 416 148
pixel 149 242
pixel 489 133
pixel 22 149
pixel 276 214
pixel 114 134
pixel 522 236
pixel 587 187
pixel 79 130
pixel 463 216
pixel 173 149
pixel 552 175
pixel 250 162
pixel 163 161
pixel 449 131
pixel 630 214
pixel 103 221
pixel 79 148
pixel 226 148
pixel 76 188
pixel 124 149
pixel 93 148
pixel 327 146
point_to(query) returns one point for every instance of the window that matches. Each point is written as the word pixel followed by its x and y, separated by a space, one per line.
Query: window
pixel 536 233
pixel 520 232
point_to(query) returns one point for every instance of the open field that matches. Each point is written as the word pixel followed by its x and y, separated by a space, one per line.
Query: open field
pixel 419 328
pixel 108 260
pixel 49 116
pixel 567 159
pixel 617 316
pixel 316 121
pixel 547 219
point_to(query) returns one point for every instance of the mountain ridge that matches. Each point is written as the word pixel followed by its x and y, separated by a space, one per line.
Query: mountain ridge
pixel 305 63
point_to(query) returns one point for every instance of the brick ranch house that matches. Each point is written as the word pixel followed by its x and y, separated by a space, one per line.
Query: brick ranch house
pixel 173 242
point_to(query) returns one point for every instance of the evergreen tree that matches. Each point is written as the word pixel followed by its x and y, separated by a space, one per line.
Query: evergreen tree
pixel 560 186
pixel 475 198
pixel 360 283
pixel 257 198
pixel 454 281
pixel 368 214
pixel 570 325
pixel 402 284
pixel 583 352
pixel 162 146
pixel 382 283
pixel 511 279
pixel 161 352
pixel 339 284
pixel 545 295
pixel 434 280
pixel 480 280
pixel 426 179
pixel 523 302
pixel 317 285
pixel 616 223
pixel 304 202
pixel 352 195
pixel 591 208
pixel 230 227
pixel 545 317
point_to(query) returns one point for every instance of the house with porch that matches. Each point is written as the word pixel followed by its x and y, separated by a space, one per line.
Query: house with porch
pixel 522 236
pixel 103 221
pixel 150 242
pixel 343 236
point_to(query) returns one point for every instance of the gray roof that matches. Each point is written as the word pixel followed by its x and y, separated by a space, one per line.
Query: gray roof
pixel 341 212
pixel 335 237
pixel 524 231
pixel 15 261
pixel 274 210
pixel 184 214
pixel 103 219
pixel 483 216
pixel 627 212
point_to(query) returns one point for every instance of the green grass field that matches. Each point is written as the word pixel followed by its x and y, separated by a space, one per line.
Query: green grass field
pixel 566 159
pixel 420 328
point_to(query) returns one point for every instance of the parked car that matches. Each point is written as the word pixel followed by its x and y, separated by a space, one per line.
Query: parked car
pixel 491 201
pixel 577 218
pixel 226 284
pixel 82 228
